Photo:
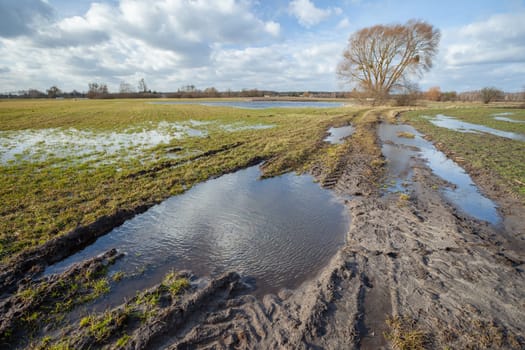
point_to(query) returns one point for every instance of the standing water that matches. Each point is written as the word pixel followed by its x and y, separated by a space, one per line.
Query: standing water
pixel 280 230
pixel 444 121
pixel 402 144
pixel 258 104
pixel 337 135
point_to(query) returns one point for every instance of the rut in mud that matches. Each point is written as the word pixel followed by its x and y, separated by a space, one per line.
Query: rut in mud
pixel 412 265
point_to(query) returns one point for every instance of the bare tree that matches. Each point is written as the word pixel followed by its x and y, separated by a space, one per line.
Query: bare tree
pixel 53 92
pixel 96 90
pixel 489 94
pixel 125 88
pixel 380 58
pixel 142 86
pixel 433 94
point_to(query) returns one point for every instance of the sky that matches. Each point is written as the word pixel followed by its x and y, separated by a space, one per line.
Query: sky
pixel 282 45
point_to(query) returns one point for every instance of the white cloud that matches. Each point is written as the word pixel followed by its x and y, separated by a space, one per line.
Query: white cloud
pixel 307 13
pixel 485 53
pixel 131 39
pixel 500 39
pixel 273 28
pixel 343 24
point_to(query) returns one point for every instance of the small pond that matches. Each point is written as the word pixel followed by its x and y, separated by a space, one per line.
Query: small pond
pixel 281 231
pixel 258 104
pixel 401 151
pixel 337 135
pixel 451 123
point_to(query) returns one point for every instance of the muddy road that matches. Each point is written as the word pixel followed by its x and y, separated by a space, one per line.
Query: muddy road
pixel 415 272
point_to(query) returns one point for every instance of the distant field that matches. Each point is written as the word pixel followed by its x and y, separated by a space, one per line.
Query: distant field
pixel 65 163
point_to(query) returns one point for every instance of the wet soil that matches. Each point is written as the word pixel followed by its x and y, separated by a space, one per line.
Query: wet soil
pixel 458 281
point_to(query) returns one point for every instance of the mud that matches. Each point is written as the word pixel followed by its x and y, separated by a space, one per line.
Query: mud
pixel 456 280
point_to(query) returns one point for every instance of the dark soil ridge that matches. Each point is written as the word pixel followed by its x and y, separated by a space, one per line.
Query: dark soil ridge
pixel 35 303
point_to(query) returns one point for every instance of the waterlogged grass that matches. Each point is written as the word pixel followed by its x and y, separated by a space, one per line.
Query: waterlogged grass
pixel 485 116
pixel 502 158
pixel 49 193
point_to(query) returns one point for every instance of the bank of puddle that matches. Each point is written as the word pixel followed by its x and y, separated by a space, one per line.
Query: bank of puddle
pixel 338 135
pixel 256 104
pixel 280 231
pixel 39 145
pixel 402 145
pixel 451 123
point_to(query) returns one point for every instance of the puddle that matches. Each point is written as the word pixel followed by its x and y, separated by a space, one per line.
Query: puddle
pixel 257 104
pixel 504 118
pixel 401 152
pixel 337 135
pixel 461 126
pixel 280 230
pixel 40 144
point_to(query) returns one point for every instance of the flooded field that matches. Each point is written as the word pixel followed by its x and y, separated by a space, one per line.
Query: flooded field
pixel 259 104
pixel 402 144
pixel 280 231
pixel 39 145
pixel 182 223
pixel 461 126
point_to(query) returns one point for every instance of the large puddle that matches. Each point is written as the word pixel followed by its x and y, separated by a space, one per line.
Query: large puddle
pixel 338 135
pixel 280 230
pixel 402 144
pixel 451 123
pixel 258 104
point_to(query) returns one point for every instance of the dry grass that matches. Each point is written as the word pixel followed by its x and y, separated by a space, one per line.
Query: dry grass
pixel 406 135
pixel 404 334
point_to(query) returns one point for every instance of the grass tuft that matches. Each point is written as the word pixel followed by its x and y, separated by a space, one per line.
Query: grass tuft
pixel 404 334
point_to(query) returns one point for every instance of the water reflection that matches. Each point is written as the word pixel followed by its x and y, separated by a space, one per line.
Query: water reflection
pixel 444 121
pixel 280 230
pixel 337 135
pixel 401 152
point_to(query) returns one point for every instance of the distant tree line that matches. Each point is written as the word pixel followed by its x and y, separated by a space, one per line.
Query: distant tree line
pixel 485 95
pixel 403 95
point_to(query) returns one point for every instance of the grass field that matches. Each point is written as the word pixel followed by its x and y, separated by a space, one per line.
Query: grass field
pixel 89 161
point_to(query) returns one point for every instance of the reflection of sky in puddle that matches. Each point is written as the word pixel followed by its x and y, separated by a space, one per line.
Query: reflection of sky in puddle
pixel 400 153
pixel 39 144
pixel 337 135
pixel 235 222
pixel 503 117
pixel 444 121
